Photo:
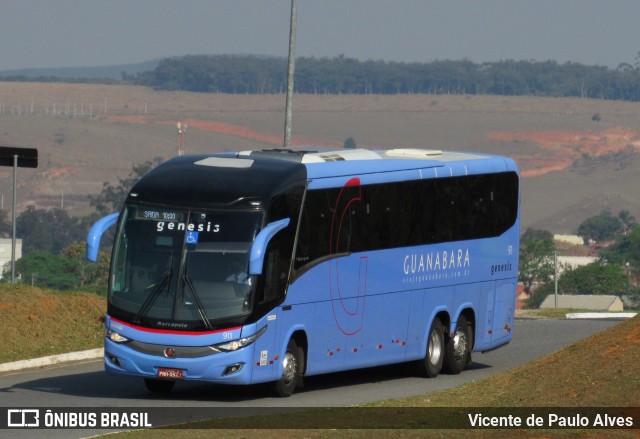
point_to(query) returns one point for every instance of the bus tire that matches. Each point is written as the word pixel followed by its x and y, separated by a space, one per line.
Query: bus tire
pixel 158 386
pixel 291 370
pixel 431 364
pixel 457 349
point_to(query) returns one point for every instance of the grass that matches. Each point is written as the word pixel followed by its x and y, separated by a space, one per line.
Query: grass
pixel 36 322
pixel 600 371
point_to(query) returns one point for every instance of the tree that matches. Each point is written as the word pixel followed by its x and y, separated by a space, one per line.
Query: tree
pixel 67 271
pixel 112 197
pixel 625 251
pixel 601 227
pixel 48 230
pixel 536 261
pixel 5 226
pixel 87 273
pixel 349 143
pixel 340 74
pixel 44 269
pixel 628 221
pixel 596 278
pixel 593 279
pixel 634 296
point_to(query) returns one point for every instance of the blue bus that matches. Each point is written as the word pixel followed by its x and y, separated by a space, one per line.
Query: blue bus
pixel 273 265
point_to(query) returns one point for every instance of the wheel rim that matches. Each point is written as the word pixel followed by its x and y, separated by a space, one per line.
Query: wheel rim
pixel 459 345
pixel 435 348
pixel 289 368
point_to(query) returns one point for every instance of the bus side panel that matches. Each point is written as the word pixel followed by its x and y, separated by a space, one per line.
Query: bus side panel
pixel 435 300
pixel 384 337
pixel 495 321
pixel 416 325
pixel 342 314
pixel 466 297
pixel 503 312
pixel 486 318
pixel 381 339
pixel 266 353
pixel 326 342
pixel 354 326
pixel 310 300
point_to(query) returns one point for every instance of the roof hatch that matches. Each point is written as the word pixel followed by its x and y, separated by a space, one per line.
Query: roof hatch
pixel 413 153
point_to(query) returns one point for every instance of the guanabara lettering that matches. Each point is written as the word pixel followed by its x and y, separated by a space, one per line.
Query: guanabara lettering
pixel 416 263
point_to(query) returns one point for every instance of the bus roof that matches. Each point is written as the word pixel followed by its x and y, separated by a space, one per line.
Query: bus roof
pixel 230 178
pixel 325 163
pixel 216 180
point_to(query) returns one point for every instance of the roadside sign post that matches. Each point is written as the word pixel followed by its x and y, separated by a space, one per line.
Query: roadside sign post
pixel 18 158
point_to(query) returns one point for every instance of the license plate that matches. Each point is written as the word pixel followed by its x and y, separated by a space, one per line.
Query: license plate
pixel 174 374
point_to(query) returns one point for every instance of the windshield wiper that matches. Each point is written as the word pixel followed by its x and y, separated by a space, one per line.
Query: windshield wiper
pixel 151 298
pixel 196 298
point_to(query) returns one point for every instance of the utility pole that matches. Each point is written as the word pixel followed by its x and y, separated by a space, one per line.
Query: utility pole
pixel 182 128
pixel 290 75
pixel 555 277
pixel 13 220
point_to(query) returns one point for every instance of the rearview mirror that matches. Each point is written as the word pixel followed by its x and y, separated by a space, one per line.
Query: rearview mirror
pixel 259 246
pixel 95 234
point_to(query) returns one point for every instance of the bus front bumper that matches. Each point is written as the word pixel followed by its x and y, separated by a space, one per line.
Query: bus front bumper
pixel 225 367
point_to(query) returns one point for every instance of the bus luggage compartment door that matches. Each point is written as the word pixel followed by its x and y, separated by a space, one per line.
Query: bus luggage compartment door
pixel 503 312
pixel 500 301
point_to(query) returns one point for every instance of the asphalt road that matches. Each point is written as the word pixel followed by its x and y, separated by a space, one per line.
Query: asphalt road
pixel 82 385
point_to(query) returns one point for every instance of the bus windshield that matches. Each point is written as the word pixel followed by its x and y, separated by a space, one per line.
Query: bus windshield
pixel 182 269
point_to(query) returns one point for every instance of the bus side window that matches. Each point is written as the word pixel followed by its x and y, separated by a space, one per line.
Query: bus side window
pixel 280 249
pixel 315 225
pixel 505 199
pixel 446 211
pixel 275 275
pixel 119 276
pixel 480 203
pixel 425 208
pixel 276 268
pixel 380 213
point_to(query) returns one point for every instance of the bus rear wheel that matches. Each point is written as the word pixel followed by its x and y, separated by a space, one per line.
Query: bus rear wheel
pixel 158 386
pixel 431 364
pixel 457 348
pixel 291 369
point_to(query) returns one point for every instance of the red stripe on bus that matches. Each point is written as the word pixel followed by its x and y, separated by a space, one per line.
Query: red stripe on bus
pixel 170 331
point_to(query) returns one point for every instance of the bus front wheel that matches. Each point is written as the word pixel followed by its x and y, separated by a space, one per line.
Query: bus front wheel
pixel 457 348
pixel 431 364
pixel 291 365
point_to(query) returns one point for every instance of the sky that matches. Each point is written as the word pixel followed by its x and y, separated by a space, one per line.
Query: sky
pixel 87 33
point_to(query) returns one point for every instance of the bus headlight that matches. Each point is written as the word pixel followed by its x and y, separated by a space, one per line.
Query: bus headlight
pixel 240 343
pixel 115 337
